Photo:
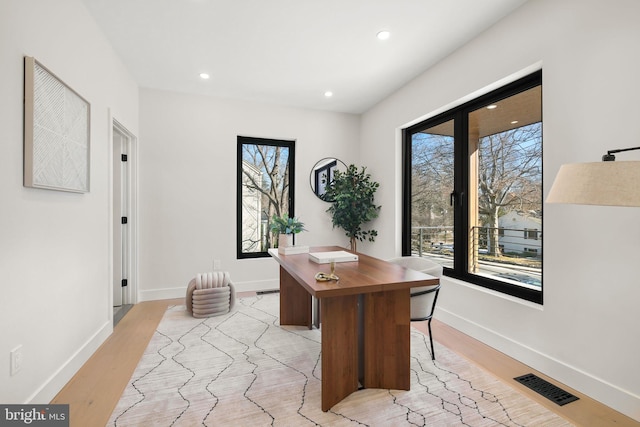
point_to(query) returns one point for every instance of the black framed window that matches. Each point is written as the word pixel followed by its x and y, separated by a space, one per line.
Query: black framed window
pixel 472 180
pixel 265 187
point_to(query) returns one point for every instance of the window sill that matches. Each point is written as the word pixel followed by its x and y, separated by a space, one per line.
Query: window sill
pixel 501 295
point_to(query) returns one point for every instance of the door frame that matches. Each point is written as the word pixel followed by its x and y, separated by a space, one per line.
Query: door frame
pixel 130 294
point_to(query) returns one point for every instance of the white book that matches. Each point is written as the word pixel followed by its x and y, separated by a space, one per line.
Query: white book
pixel 336 256
pixel 292 250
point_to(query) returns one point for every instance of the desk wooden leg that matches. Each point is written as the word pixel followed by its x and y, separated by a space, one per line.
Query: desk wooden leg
pixel 339 348
pixel 295 302
pixel 387 335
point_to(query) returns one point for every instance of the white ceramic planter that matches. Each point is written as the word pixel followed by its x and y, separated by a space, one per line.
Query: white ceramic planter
pixel 285 240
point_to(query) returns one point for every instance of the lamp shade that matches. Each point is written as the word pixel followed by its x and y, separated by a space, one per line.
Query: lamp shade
pixel 600 183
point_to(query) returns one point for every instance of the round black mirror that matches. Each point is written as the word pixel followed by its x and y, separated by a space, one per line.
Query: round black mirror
pixel 322 173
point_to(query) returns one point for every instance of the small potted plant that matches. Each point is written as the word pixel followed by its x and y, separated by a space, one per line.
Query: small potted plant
pixel 285 228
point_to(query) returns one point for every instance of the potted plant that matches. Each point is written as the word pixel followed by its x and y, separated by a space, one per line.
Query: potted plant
pixel 352 205
pixel 285 228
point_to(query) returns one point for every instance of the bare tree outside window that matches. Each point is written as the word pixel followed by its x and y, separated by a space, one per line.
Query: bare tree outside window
pixel 264 189
pixel 475 180
pixel 509 178
pixel 432 178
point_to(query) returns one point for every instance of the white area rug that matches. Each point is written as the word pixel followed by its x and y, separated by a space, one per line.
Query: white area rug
pixel 244 369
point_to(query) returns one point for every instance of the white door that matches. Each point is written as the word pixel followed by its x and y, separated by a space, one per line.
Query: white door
pixel 121 215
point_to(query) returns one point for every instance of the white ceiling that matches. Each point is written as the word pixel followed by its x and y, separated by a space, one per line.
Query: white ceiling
pixel 290 52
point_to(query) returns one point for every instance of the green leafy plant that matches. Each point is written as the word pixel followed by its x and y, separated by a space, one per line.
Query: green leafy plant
pixel 351 194
pixel 285 225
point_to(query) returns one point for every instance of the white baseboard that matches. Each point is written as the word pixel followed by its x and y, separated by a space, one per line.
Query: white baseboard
pixel 258 286
pixel 170 293
pixel 53 385
pixel 61 377
pixel 596 388
pixel 159 294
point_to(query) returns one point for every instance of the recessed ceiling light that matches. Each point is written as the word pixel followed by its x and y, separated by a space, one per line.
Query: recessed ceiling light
pixel 204 76
pixel 383 35
pixel 491 107
pixel 514 122
pixel 328 94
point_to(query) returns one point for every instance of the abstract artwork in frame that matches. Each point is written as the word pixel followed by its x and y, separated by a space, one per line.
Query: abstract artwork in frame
pixel 56 132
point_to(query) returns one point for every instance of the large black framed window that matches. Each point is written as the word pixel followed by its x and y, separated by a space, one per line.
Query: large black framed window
pixel 265 187
pixel 472 182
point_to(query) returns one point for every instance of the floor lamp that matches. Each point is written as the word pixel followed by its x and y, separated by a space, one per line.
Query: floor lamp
pixel 606 183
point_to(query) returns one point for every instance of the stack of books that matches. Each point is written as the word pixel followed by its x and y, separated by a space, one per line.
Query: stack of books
pixel 335 256
pixel 292 250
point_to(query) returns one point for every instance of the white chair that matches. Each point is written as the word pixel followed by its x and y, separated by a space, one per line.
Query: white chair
pixel 210 294
pixel 423 299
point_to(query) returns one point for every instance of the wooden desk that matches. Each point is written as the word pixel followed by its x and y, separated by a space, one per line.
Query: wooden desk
pixel 382 289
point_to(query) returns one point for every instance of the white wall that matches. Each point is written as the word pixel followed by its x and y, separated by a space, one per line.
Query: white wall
pixel 54 246
pixel 188 178
pixel 586 334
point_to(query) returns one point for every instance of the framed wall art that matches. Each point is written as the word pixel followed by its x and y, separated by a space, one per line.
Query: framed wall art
pixel 56 132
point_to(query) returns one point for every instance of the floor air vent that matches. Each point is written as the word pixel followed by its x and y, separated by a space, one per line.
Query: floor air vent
pixel 546 389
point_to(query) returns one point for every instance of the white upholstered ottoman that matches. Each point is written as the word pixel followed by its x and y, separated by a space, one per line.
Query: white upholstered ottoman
pixel 210 294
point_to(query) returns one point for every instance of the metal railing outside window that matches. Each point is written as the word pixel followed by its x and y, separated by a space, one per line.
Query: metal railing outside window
pixel 513 255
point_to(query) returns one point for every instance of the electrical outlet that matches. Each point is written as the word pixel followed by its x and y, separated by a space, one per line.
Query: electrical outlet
pixel 216 264
pixel 16 360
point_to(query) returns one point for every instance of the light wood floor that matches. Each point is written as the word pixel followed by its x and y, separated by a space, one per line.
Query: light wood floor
pixel 95 390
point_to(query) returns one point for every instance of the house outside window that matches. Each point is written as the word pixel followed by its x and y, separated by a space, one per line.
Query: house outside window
pixel 531 234
pixel 264 189
pixel 473 190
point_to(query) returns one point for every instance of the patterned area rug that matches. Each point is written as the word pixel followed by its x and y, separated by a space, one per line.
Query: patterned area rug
pixel 244 369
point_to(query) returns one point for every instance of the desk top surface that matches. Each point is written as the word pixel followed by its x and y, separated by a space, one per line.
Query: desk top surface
pixel 366 275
